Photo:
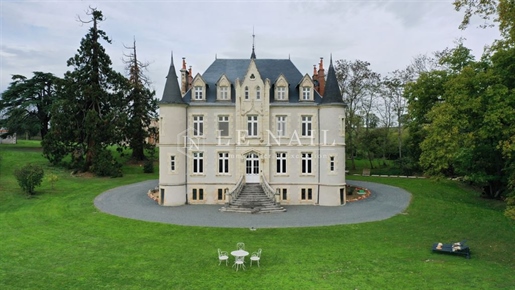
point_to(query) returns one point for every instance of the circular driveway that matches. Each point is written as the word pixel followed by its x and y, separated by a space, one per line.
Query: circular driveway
pixel 131 201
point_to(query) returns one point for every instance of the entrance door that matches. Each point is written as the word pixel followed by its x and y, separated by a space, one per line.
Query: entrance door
pixel 252 168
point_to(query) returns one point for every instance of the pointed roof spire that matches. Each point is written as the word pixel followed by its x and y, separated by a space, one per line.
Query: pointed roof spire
pixel 172 92
pixel 332 94
pixel 253 55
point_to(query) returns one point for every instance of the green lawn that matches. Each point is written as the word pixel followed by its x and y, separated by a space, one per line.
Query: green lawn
pixel 59 240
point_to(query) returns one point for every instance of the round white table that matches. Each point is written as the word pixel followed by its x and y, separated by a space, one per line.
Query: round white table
pixel 240 253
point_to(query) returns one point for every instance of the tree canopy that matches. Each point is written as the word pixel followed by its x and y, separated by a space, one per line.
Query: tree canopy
pixel 90 114
pixel 27 103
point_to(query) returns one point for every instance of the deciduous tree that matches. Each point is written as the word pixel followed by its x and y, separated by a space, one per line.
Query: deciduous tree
pixel 357 81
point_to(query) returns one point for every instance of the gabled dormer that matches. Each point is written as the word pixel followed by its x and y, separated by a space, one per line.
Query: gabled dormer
pixel 281 89
pixel 306 89
pixel 198 89
pixel 223 89
pixel 253 85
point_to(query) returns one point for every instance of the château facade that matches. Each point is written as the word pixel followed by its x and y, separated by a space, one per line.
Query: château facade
pixel 252 121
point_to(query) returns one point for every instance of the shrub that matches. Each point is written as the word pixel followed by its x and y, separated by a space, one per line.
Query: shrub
pixel 52 178
pixel 148 166
pixel 29 176
pixel 105 165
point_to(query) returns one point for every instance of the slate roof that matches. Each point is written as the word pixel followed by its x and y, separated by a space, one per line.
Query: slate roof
pixel 332 94
pixel 172 92
pixel 237 69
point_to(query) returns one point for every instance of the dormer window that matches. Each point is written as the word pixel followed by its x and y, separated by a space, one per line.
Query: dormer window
pixel 280 94
pixel 258 93
pixel 306 93
pixel 223 93
pixel 199 93
pixel 246 93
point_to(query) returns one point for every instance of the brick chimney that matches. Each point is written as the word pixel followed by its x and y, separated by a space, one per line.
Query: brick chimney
pixel 321 77
pixel 190 78
pixel 315 77
pixel 184 77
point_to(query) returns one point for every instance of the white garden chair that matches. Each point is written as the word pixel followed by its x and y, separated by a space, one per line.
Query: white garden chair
pixel 239 262
pixel 222 256
pixel 256 256
pixel 240 246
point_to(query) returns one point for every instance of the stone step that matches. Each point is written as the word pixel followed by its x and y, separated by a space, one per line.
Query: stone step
pixel 252 199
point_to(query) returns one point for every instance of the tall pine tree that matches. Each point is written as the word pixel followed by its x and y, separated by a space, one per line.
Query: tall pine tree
pixel 91 112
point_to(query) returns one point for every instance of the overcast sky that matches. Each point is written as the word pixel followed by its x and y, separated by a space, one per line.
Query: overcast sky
pixel 43 35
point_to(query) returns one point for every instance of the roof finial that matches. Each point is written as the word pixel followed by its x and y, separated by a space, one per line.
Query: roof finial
pixel 253 55
pixel 172 57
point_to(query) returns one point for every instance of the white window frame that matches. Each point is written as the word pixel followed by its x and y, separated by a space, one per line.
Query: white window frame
pixel 307 125
pixel 199 93
pixel 198 125
pixel 281 93
pixel 281 125
pixel 281 162
pixel 223 163
pixel 223 93
pixel 223 119
pixel 332 163
pixel 306 163
pixel 252 126
pixel 198 163
pixel 173 163
pixel 306 93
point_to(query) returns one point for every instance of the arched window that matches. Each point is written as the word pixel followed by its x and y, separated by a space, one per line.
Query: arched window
pixel 246 93
pixel 258 93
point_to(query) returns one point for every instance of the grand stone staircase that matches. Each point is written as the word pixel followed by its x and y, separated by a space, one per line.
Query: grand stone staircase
pixel 253 199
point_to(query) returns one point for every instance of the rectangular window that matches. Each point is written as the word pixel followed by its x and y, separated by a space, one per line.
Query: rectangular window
pixel 306 194
pixel 284 194
pixel 198 162
pixel 306 126
pixel 281 93
pixel 224 93
pixel 331 163
pixel 198 93
pixel 252 126
pixel 281 163
pixel 281 126
pixel 246 93
pixel 306 163
pixel 258 93
pixel 306 93
pixel 198 125
pixel 221 194
pixel 197 194
pixel 172 163
pixel 223 162
pixel 223 125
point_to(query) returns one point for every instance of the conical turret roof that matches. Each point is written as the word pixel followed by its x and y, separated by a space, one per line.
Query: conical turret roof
pixel 332 94
pixel 172 92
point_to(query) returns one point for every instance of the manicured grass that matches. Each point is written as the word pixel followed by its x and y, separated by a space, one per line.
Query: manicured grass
pixel 59 240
